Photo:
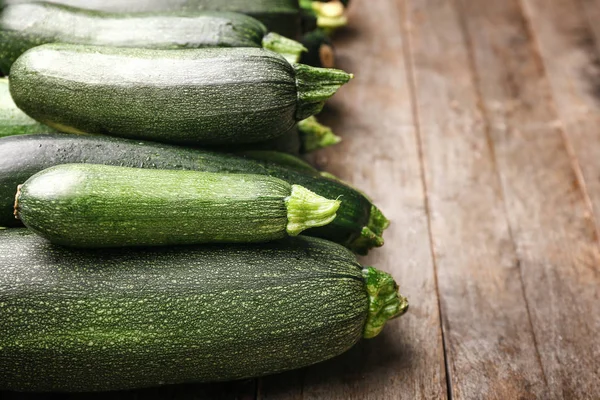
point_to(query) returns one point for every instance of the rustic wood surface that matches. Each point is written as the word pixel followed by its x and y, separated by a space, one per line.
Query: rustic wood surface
pixel 475 125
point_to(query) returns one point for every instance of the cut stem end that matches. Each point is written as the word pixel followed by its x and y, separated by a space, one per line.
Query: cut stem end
pixel 385 302
pixel 306 209
pixel 330 15
pixel 315 85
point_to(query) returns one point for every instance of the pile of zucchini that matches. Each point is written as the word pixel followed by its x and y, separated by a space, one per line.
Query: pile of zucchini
pixel 158 226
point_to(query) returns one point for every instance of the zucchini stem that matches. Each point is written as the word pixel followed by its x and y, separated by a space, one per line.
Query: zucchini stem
pixel 314 136
pixel 330 15
pixel 306 209
pixel 288 48
pixel 315 85
pixel 372 234
pixel 385 302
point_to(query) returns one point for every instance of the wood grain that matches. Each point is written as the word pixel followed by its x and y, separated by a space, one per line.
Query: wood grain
pixel 380 155
pixel 591 9
pixel 490 344
pixel 549 218
pixel 563 249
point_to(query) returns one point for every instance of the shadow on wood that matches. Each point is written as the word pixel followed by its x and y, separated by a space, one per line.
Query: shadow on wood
pixel 239 390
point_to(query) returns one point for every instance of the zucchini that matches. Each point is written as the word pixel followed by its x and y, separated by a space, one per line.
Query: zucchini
pixel 280 16
pixel 309 135
pixel 24 26
pixel 14 121
pixel 196 96
pixel 85 320
pixel 89 206
pixel 358 225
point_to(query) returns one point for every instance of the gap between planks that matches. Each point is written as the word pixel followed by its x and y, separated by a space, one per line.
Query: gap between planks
pixel 411 80
pixel 492 148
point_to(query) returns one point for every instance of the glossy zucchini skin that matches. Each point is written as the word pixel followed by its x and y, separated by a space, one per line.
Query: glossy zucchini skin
pixel 13 121
pixel 195 96
pixel 25 26
pixel 23 156
pixel 122 318
pixel 281 16
pixel 92 206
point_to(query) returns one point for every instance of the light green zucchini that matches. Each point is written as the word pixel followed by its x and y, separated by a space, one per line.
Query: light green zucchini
pixel 90 205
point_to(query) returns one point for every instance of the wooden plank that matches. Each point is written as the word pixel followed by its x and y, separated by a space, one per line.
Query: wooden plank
pixel 549 218
pixel 592 12
pixel 380 155
pixel 490 345
pixel 571 58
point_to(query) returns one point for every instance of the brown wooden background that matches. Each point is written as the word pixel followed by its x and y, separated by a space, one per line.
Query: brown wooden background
pixel 475 125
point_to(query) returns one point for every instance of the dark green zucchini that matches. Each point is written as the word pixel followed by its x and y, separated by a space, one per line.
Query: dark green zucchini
pixel 358 225
pixel 281 16
pixel 24 26
pixel 196 96
pixel 75 320
pixel 91 206
pixel 309 135
pixel 14 121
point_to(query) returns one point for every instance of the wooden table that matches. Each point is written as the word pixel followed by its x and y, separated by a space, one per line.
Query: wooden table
pixel 475 125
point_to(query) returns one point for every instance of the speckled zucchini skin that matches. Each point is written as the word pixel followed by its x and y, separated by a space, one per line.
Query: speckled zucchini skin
pixel 84 205
pixel 23 156
pixel 25 26
pixel 121 319
pixel 194 96
pixel 281 16
pixel 200 96
pixel 14 121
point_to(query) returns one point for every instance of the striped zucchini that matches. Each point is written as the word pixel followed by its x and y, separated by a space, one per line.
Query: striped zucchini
pixel 14 121
pixel 75 320
pixel 281 16
pixel 89 206
pixel 24 26
pixel 200 96
pixel 359 224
